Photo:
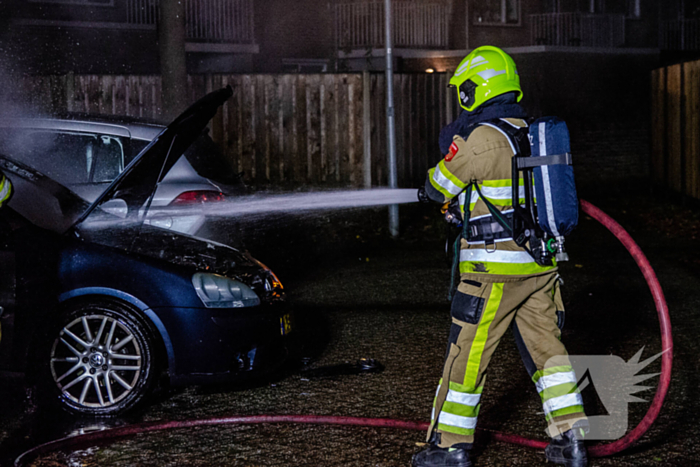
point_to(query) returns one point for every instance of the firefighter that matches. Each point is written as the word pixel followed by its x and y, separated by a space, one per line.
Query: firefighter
pixel 501 285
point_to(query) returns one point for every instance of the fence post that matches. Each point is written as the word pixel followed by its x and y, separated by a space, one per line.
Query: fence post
pixel 390 128
pixel 682 34
pixel 366 129
pixel 208 83
pixel 70 90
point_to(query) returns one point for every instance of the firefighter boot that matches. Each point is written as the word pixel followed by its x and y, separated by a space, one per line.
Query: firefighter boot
pixel 568 449
pixel 435 456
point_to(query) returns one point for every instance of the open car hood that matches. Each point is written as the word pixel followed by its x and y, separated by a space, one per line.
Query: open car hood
pixel 40 199
pixel 119 217
pixel 51 206
pixel 136 185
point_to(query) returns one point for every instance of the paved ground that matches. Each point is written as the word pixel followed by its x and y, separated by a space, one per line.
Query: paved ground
pixel 387 300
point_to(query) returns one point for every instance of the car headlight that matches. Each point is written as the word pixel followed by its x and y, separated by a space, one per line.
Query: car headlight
pixel 272 282
pixel 221 292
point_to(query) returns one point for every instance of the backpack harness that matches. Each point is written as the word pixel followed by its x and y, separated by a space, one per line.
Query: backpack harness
pixel 549 177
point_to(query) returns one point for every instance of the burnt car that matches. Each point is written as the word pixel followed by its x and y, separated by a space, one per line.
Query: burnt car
pixel 98 302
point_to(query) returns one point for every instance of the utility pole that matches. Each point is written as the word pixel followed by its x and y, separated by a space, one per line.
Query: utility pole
pixel 466 24
pixel 390 121
pixel 173 59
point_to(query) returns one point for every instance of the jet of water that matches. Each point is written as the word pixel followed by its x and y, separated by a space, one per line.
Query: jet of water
pixel 257 205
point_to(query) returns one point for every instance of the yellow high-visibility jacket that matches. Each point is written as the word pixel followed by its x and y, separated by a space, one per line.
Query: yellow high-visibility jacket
pixel 484 159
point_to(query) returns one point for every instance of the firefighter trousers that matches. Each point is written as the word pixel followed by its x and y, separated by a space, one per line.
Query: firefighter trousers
pixel 481 314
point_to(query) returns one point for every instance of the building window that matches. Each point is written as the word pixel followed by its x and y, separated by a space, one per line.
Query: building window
pixel 496 12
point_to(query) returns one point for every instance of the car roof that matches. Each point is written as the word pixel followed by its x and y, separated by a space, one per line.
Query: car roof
pixel 114 126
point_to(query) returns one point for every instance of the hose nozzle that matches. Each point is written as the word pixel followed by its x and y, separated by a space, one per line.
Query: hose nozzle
pixel 422 195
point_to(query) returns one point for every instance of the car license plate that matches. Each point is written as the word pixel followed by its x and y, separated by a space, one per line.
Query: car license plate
pixel 285 324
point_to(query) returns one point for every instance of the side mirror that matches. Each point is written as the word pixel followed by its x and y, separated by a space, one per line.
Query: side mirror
pixel 116 207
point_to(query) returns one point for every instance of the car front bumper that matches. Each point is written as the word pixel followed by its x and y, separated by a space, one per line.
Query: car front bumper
pixel 222 345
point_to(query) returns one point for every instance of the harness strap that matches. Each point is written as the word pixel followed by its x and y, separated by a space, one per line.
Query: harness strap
pixel 502 219
pixel 487 230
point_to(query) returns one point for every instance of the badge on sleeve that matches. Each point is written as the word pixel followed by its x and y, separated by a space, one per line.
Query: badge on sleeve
pixel 454 149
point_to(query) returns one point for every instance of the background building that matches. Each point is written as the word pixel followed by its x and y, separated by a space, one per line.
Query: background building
pixel 587 61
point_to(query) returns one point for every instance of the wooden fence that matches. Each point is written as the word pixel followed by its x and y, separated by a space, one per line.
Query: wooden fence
pixel 675 132
pixel 287 130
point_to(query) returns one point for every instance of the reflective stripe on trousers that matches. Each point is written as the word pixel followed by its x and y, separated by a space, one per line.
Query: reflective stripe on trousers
pixel 459 411
pixel 559 391
pixel 481 314
pixel 460 408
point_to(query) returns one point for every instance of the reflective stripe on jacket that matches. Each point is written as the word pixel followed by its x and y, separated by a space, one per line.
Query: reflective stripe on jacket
pixel 484 159
pixel 5 189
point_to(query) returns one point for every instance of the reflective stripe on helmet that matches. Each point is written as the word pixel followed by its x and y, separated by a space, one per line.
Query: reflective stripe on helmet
pixel 488 74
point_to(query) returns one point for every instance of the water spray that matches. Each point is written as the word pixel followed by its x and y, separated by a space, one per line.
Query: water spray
pixel 599 450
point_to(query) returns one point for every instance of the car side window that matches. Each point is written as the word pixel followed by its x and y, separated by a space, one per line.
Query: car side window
pixel 108 157
pixel 70 158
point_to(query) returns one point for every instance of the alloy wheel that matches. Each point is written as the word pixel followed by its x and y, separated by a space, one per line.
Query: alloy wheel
pixel 96 360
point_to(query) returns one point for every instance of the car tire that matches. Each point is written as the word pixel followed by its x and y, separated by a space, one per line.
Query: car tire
pixel 100 359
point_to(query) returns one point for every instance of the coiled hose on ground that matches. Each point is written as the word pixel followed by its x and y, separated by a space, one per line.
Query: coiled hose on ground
pixel 601 450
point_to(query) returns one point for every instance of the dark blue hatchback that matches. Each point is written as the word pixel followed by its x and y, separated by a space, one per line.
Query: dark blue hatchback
pixel 97 302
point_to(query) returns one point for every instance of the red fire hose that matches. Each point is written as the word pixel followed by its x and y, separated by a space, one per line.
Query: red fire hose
pixel 601 450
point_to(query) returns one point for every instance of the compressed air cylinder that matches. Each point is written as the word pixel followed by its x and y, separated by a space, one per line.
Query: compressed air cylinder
pixel 555 189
